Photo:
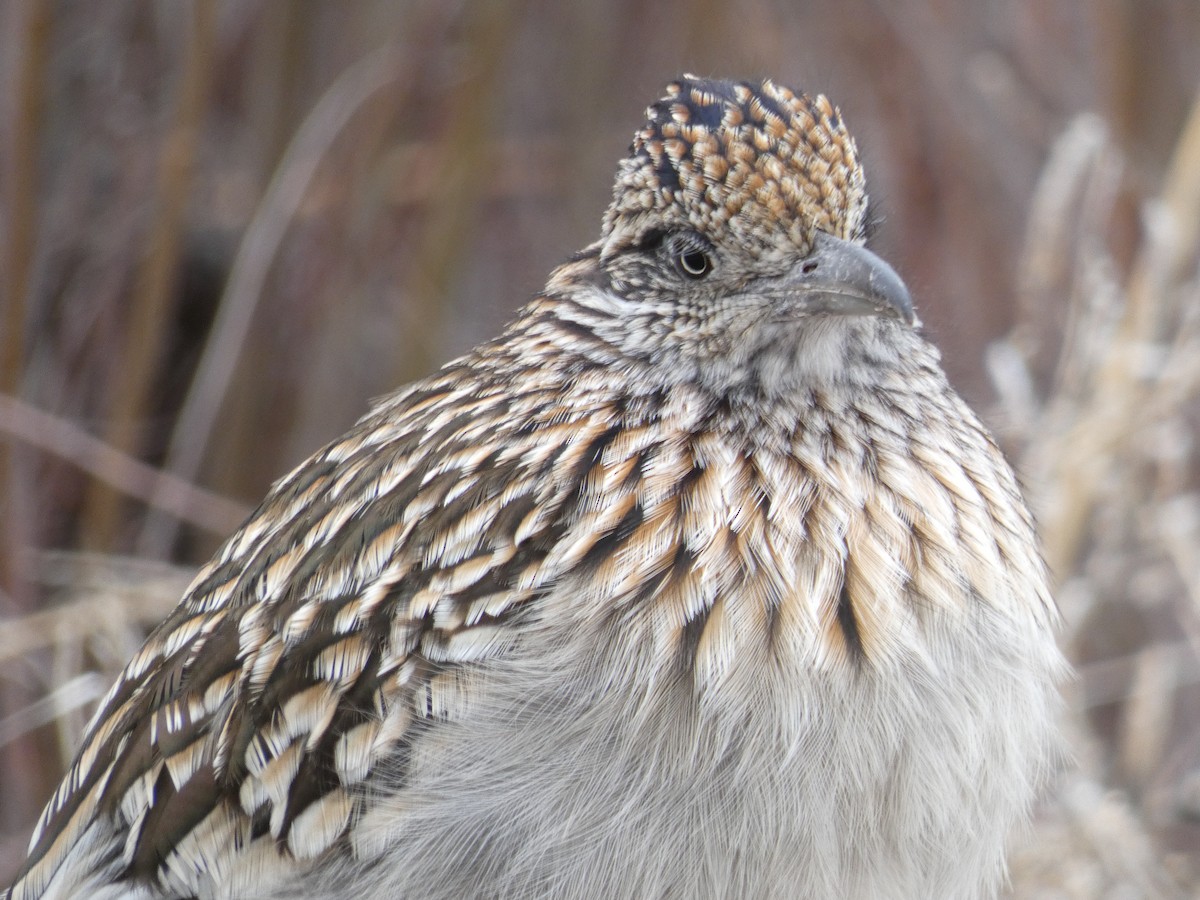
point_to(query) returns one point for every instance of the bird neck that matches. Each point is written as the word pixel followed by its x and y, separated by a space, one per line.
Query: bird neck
pixel 580 325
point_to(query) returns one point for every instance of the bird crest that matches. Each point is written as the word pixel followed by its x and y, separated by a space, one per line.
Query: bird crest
pixel 755 161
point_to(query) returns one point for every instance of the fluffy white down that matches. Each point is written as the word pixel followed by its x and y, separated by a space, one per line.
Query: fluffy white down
pixel 895 784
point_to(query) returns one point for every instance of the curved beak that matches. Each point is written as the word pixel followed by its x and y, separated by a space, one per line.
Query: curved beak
pixel 842 279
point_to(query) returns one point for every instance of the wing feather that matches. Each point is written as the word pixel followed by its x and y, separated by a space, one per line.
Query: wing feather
pixel 329 624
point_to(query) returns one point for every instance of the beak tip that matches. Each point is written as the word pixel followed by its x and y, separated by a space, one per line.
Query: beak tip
pixel 860 281
pixel 897 299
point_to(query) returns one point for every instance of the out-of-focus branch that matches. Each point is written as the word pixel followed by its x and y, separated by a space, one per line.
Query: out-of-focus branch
pixel 1120 390
pixel 462 167
pixel 20 228
pixel 264 235
pixel 21 187
pixel 151 302
pixel 130 475
pixel 123 593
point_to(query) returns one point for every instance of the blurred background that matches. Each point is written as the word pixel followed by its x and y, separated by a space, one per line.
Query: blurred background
pixel 227 224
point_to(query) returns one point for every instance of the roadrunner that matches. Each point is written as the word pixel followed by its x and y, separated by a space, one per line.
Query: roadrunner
pixel 697 582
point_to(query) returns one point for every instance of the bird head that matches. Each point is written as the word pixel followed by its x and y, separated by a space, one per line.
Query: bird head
pixel 734 245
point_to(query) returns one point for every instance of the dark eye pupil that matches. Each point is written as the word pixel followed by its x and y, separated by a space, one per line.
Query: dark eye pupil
pixel 694 263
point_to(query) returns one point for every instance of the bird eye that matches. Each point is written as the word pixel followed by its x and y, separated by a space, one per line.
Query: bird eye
pixel 691 256
pixel 694 263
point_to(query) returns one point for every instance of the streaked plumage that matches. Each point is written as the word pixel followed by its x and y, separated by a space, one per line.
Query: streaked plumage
pixel 699 581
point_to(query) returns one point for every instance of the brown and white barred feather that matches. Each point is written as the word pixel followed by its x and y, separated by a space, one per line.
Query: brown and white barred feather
pixel 604 609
